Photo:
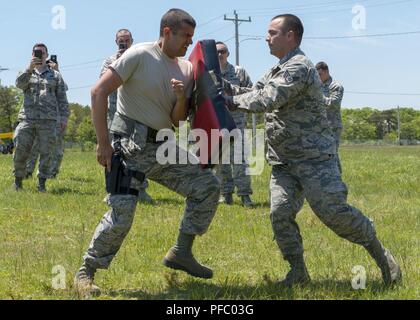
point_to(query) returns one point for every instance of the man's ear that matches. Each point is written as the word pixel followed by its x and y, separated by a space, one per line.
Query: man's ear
pixel 166 31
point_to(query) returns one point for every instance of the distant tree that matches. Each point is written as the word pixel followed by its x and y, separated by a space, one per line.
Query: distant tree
pixel 10 101
pixel 86 131
pixel 77 115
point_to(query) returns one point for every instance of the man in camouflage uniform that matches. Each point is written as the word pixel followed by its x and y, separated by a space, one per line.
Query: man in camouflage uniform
pixel 154 89
pixel 124 41
pixel 302 152
pixel 235 75
pixel 45 101
pixel 333 95
pixel 58 150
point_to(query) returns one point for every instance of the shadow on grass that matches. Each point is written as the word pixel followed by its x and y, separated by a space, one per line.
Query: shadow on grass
pixel 61 191
pixel 81 179
pixel 169 201
pixel 199 290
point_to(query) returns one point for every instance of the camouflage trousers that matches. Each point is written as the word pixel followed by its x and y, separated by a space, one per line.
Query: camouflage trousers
pixel 337 135
pixel 26 134
pixel 235 175
pixel 199 186
pixel 320 183
pixel 56 154
pixel 110 117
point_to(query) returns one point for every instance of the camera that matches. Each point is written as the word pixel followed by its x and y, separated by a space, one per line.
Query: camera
pixel 38 54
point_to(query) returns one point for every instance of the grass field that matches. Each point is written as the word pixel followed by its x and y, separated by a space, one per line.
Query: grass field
pixel 40 231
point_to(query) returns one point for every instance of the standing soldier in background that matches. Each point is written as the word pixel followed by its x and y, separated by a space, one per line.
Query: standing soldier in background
pixel 124 41
pixel 45 101
pixel 234 175
pixel 333 95
pixel 58 150
pixel 301 150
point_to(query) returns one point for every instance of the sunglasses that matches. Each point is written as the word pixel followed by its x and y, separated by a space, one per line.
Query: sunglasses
pixel 223 51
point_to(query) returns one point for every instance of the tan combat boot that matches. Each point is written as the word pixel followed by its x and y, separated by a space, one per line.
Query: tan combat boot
pixel 83 283
pixel 391 271
pixel 180 257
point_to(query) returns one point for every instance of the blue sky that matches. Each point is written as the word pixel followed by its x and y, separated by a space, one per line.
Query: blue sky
pixel 373 64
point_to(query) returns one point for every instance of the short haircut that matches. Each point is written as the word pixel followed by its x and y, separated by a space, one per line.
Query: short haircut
pixel 174 18
pixel 292 23
pixel 322 65
pixel 222 43
pixel 40 45
pixel 123 30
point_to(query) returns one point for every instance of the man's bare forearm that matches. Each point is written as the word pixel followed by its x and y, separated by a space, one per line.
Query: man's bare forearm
pixel 99 115
pixel 179 112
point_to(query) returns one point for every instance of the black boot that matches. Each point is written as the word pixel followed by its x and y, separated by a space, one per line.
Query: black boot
pixel 247 202
pixel 226 198
pixel 298 274
pixel 180 257
pixel 41 185
pixel 18 184
pixel 391 272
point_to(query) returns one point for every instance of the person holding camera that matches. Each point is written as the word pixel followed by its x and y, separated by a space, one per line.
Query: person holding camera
pixel 124 40
pixel 44 108
pixel 58 152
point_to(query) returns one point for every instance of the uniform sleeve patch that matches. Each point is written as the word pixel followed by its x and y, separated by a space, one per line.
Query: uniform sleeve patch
pixel 287 77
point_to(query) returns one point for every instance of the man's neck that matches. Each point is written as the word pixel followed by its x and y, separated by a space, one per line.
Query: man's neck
pixel 328 79
pixel 223 66
pixel 41 68
pixel 165 50
pixel 287 53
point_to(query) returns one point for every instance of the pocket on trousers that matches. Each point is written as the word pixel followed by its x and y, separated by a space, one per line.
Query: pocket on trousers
pixel 138 139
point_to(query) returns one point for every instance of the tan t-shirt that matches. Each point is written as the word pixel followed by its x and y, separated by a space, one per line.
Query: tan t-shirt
pixel 146 94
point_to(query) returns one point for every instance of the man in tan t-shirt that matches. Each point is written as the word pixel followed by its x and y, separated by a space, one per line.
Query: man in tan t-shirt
pixel 154 89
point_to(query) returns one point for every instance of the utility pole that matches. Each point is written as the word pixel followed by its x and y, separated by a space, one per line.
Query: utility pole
pixel 398 125
pixel 2 69
pixel 236 21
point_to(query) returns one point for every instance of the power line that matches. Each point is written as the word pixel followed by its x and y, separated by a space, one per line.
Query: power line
pixel 383 93
pixel 348 37
pixel 262 12
pixel 211 32
pixel 301 7
pixel 82 87
pixel 209 21
pixel 366 36
pixel 82 63
pixel 270 14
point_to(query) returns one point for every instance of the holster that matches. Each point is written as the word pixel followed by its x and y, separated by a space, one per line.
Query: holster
pixel 118 181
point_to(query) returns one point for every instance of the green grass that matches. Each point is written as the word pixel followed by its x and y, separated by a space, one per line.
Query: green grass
pixel 40 231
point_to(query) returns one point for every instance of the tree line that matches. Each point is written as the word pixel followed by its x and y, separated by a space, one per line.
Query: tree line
pixel 358 124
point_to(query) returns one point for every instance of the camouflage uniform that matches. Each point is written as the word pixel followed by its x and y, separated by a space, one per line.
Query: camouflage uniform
pixel 45 101
pixel 112 103
pixel 302 152
pixel 198 185
pixel 333 93
pixel 56 155
pixel 237 76
pixel 113 97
